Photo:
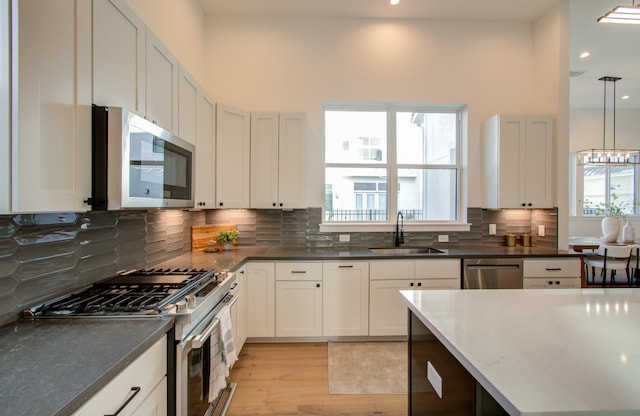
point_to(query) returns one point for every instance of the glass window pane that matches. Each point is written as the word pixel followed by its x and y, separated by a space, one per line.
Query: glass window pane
pixel 428 194
pixel 348 204
pixel 594 184
pixel 426 138
pixel 355 136
pixel 622 190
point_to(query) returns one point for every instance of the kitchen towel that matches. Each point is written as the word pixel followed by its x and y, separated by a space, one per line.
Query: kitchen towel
pixel 226 336
pixel 223 354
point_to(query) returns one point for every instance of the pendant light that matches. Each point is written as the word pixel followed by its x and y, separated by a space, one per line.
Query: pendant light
pixel 622 14
pixel 608 156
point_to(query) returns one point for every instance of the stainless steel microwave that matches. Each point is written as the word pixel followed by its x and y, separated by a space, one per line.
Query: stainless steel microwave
pixel 137 164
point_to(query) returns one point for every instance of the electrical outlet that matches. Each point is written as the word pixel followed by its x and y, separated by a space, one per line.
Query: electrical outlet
pixel 541 230
pixel 492 229
pixel 345 238
pixel 443 238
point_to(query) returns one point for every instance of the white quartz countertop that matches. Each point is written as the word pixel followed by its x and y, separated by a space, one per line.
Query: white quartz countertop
pixel 543 352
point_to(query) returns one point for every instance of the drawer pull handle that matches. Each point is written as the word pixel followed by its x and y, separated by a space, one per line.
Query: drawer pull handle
pixel 135 391
pixel 350 266
pixel 298 271
pixel 553 269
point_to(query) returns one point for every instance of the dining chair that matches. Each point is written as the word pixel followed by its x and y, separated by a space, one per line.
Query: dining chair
pixel 610 258
pixel 634 264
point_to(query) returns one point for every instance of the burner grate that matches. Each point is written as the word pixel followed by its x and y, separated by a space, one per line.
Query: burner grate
pixel 144 291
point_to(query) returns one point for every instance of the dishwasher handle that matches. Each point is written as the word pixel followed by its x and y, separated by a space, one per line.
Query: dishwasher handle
pixel 493 266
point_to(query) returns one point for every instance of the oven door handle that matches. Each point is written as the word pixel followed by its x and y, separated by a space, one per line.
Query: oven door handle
pixel 199 340
pixel 233 300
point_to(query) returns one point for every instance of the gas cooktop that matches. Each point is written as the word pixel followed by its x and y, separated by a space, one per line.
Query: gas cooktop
pixel 135 292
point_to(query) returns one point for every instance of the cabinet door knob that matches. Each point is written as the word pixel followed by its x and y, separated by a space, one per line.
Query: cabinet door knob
pixel 317 284
pixel 221 204
pixel 281 204
pixel 419 283
pixel 411 284
pixel 274 204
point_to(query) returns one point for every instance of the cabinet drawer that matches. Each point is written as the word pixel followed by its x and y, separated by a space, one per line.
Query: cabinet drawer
pixel 551 267
pixel 391 269
pixel 145 372
pixel 438 269
pixel 298 271
pixel 448 284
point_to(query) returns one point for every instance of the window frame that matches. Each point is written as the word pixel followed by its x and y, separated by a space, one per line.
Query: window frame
pixel 577 180
pixel 393 168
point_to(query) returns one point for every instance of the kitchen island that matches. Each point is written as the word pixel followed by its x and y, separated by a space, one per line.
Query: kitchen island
pixel 532 352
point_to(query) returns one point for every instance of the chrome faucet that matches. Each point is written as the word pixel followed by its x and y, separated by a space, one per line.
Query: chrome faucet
pixel 399 229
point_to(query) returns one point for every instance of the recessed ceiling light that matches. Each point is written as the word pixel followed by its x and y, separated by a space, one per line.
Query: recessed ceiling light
pixel 585 54
pixel 394 2
pixel 626 97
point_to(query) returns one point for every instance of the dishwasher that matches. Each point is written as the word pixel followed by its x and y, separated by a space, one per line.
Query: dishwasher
pixel 492 273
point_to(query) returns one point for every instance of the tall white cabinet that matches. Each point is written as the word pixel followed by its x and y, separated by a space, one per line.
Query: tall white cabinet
pixel 518 159
pixel 278 160
pixel 162 84
pixel 118 72
pixel 188 91
pixel 205 181
pixel 50 140
pixel 233 142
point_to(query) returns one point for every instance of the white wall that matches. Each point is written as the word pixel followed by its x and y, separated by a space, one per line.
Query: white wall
pixel 297 64
pixel 180 26
pixel 551 92
pixel 586 128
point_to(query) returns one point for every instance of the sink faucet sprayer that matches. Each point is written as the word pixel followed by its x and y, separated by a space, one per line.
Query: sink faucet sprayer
pixel 399 229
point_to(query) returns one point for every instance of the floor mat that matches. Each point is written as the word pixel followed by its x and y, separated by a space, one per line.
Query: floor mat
pixel 368 367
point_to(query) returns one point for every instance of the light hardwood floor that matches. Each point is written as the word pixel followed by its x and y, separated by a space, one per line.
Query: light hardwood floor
pixel 292 379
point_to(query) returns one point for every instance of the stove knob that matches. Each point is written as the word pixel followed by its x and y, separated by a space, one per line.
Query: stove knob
pixel 181 307
pixel 191 301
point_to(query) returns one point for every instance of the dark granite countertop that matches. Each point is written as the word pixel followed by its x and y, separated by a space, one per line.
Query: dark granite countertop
pixel 53 366
pixel 232 259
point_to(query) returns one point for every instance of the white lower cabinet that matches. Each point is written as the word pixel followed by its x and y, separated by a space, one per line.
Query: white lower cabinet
pixel 551 273
pixel 298 299
pixel 148 373
pixel 387 311
pixel 238 311
pixel 261 320
pixel 345 298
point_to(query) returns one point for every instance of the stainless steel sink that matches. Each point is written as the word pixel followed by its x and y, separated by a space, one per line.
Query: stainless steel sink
pixel 404 250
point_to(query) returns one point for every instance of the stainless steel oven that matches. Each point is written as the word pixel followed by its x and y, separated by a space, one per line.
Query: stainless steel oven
pixel 201 376
pixel 197 300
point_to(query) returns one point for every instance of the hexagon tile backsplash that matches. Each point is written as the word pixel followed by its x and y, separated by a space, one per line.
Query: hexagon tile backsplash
pixel 43 256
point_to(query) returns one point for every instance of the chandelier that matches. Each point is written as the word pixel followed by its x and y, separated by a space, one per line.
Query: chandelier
pixel 608 156
pixel 622 14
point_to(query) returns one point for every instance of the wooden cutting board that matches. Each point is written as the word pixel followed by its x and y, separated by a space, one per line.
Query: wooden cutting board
pixel 202 234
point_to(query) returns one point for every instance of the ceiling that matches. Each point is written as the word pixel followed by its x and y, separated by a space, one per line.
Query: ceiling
pixel 615 49
pixel 522 10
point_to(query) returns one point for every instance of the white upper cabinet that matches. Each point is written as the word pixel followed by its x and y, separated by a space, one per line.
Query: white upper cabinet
pixel 187 106
pixel 518 161
pixel 50 140
pixel 162 84
pixel 292 149
pixel 119 44
pixel 233 143
pixel 278 154
pixel 264 160
pixel 205 180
